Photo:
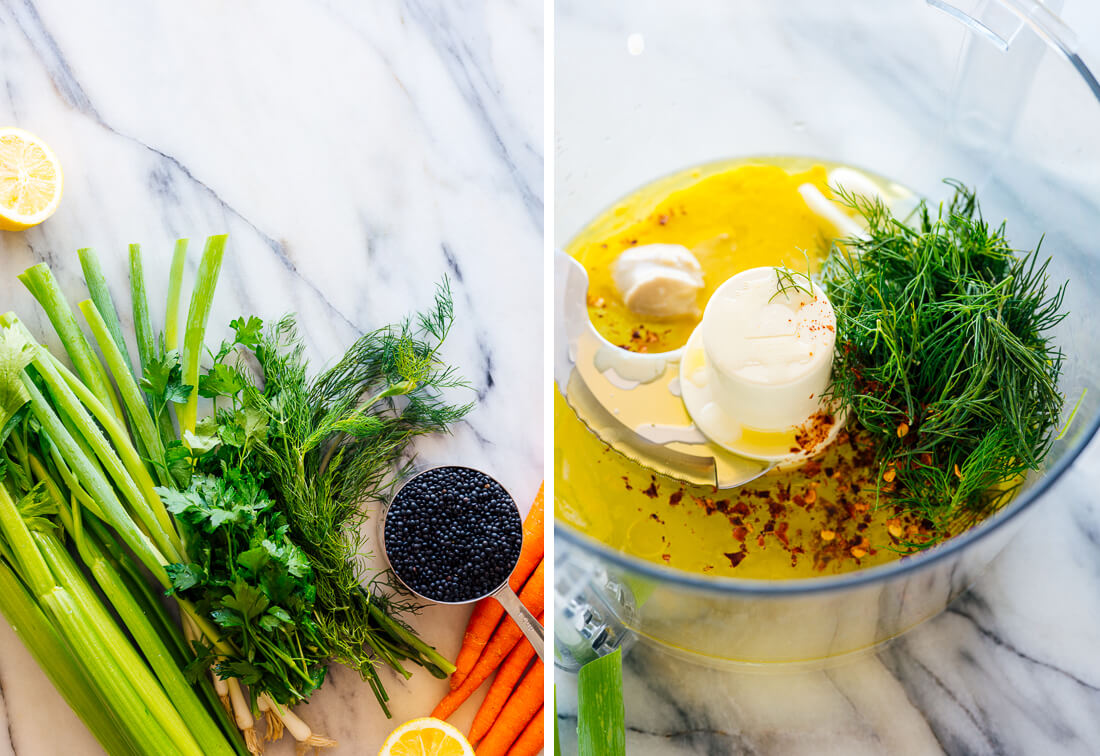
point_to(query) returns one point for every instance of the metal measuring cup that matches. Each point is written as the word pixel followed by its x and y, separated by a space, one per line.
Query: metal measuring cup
pixel 503 593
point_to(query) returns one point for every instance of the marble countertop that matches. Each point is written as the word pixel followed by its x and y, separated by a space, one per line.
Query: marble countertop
pixel 355 153
pixel 1012 666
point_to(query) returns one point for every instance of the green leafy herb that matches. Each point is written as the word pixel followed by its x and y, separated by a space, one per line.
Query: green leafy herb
pixel 323 447
pixel 253 581
pixel 788 280
pixel 944 354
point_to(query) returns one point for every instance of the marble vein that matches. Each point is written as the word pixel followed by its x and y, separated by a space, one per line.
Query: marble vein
pixel 469 74
pixel 69 87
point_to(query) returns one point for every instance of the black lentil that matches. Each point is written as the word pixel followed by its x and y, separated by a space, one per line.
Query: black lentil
pixel 453 534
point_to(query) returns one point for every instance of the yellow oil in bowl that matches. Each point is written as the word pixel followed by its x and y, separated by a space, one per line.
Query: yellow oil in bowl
pixel 831 515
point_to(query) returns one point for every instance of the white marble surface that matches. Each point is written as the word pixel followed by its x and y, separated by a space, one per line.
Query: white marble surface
pixel 1012 666
pixel 355 153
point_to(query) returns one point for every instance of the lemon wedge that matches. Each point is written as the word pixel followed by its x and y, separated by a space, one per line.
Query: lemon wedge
pixel 426 736
pixel 30 180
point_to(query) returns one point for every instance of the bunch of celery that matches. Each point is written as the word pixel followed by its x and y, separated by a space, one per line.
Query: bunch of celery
pixel 79 520
pixel 83 461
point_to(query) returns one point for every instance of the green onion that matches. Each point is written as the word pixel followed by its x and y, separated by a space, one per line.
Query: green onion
pixel 43 286
pixel 143 328
pixel 175 285
pixel 101 295
pixel 201 299
pixel 601 716
pixel 132 398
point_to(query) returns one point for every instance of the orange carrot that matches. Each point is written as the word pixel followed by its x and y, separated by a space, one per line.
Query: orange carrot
pixel 488 611
pixel 504 640
pixel 517 713
pixel 529 743
pixel 507 676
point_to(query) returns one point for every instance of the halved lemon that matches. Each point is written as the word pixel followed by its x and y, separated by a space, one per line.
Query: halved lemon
pixel 426 736
pixel 30 180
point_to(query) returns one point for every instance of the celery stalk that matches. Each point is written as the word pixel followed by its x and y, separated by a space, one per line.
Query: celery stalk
pixel 146 686
pixel 127 453
pixel 145 504
pixel 56 659
pixel 101 295
pixel 73 484
pixel 102 554
pixel 43 286
pixel 80 632
pixel 201 300
pixel 601 718
pixel 175 285
pixel 180 694
pixel 88 472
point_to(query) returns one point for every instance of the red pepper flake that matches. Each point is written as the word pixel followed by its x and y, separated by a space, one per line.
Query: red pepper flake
pixel 740 533
pixel 667 558
pixel 675 498
pixel 781 532
pixel 736 557
pixel 626 481
pixel 741 508
pixel 662 219
pixel 651 492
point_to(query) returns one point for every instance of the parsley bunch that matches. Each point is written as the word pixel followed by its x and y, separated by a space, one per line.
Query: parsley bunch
pixel 253 581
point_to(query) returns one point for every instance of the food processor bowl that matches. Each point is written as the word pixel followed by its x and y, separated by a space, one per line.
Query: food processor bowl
pixel 993 93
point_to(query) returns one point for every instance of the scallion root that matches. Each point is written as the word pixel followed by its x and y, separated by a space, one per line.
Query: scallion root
pixel 274 729
pixel 243 714
pixel 297 728
pixel 316 742
pixel 221 687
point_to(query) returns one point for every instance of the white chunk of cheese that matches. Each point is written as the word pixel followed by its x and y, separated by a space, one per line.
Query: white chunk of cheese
pixel 769 352
pixel 658 280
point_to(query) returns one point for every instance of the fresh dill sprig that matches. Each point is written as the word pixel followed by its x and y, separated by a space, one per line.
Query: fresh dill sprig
pixel 944 354
pixel 787 280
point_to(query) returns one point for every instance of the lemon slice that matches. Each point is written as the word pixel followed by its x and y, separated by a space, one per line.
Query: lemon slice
pixel 30 180
pixel 426 736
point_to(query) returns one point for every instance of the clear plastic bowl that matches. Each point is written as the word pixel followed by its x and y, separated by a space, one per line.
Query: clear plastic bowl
pixel 992 93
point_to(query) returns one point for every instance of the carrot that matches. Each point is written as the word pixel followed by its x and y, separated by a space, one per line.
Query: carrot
pixel 488 611
pixel 529 743
pixel 507 676
pixel 503 641
pixel 517 713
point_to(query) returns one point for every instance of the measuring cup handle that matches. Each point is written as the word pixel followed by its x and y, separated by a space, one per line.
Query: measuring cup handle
pixel 517 611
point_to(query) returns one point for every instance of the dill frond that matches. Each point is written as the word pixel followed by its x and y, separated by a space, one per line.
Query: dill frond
pixel 943 326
